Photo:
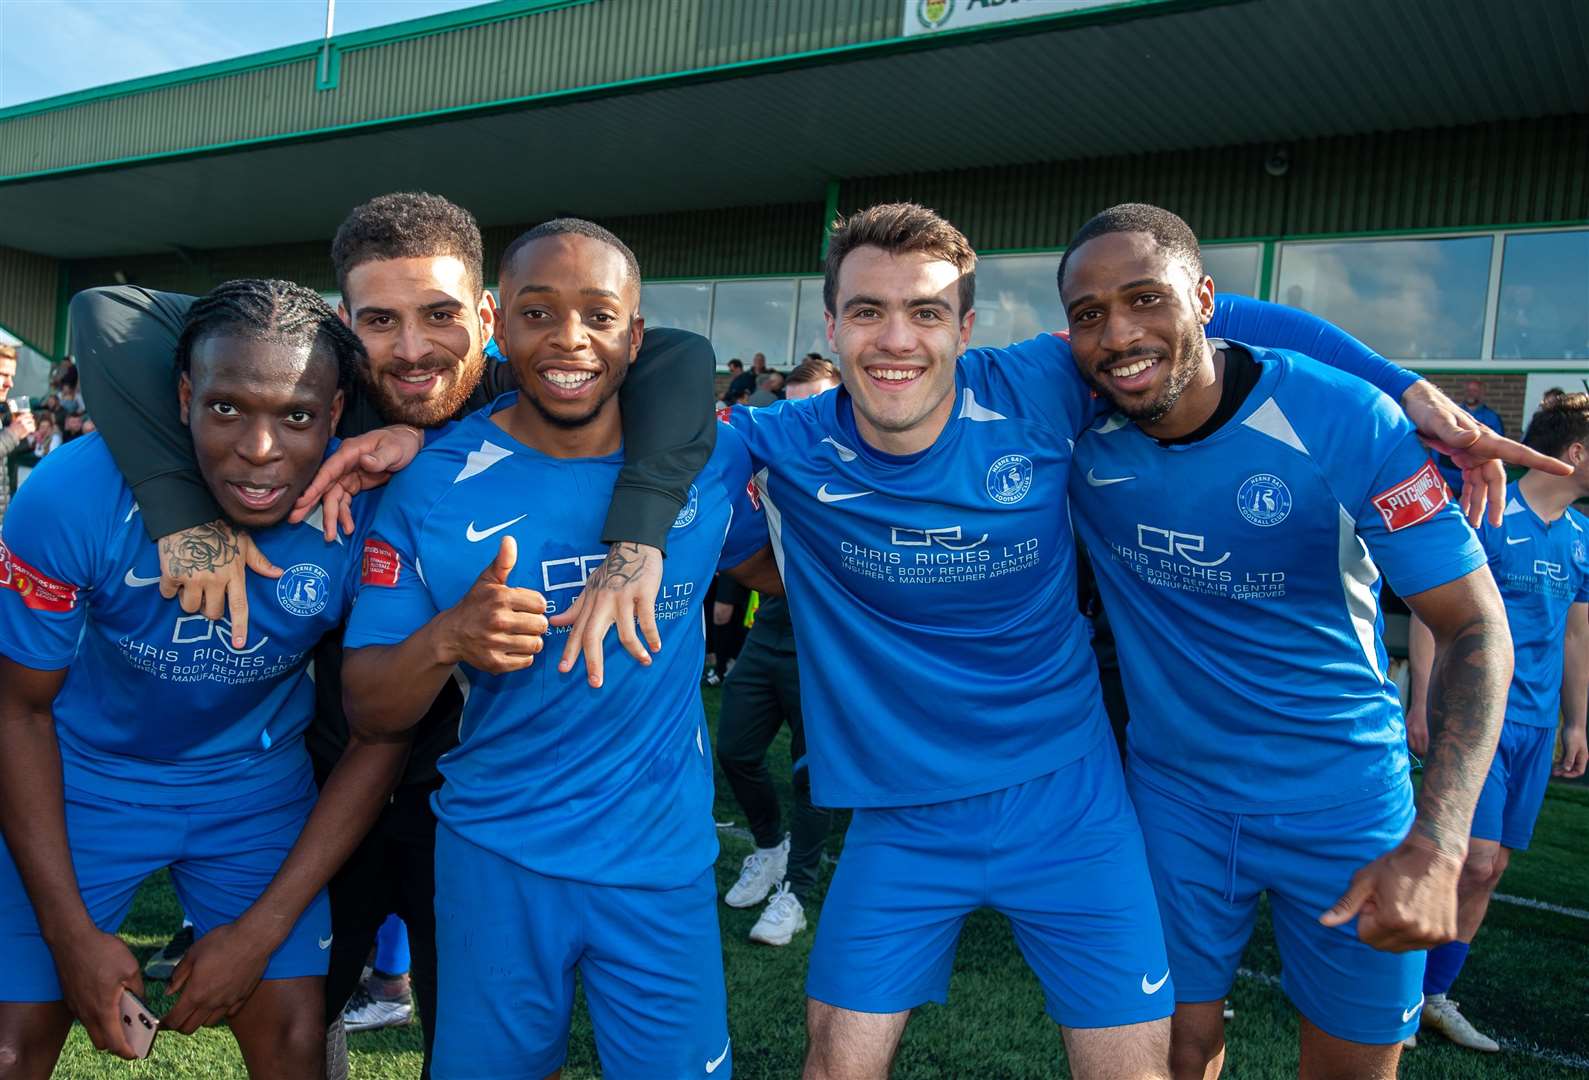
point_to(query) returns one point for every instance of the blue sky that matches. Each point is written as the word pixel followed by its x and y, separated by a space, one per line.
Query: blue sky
pixel 50 47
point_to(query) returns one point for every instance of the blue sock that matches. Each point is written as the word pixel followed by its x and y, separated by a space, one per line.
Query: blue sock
pixel 391 947
pixel 1443 967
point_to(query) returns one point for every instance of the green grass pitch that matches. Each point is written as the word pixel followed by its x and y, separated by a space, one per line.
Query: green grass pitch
pixel 1527 982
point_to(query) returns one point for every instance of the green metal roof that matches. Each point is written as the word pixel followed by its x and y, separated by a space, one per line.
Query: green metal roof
pixel 643 107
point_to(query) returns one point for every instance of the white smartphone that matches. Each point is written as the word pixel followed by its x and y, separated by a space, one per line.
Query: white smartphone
pixel 139 1023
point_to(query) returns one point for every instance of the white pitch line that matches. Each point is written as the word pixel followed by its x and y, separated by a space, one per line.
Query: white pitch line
pixel 1512 1046
pixel 1540 905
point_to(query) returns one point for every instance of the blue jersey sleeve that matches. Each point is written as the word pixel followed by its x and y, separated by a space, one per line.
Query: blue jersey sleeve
pixel 1493 539
pixel 747 529
pixel 393 600
pixel 1404 511
pixel 1032 378
pixel 1279 327
pixel 51 555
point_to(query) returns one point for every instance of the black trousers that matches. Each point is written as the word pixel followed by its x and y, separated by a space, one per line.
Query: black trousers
pixel 762 694
pixel 392 872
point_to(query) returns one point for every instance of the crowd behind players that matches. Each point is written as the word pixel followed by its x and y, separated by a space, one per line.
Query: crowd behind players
pixel 30 430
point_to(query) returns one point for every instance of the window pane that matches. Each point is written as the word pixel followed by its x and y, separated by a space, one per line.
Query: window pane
pixel 753 317
pixel 1544 309
pixel 1408 299
pixel 682 305
pixel 1017 298
pixel 1234 267
pixel 811 329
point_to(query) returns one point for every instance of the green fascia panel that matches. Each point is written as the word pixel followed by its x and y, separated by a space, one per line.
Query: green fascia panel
pixel 508 9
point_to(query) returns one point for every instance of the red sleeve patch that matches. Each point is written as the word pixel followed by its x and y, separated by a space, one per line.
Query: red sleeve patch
pixel 381 564
pixel 724 414
pixel 1416 499
pixel 755 496
pixel 39 591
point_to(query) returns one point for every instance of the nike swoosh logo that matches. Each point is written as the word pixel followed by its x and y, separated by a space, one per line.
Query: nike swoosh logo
pixel 132 580
pixel 824 495
pixel 1154 987
pixel 477 535
pixel 325 943
pixel 711 1066
pixel 1408 1015
pixel 1519 540
pixel 1097 481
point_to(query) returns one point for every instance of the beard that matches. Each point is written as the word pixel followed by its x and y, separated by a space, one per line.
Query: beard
pixel 427 412
pixel 1182 370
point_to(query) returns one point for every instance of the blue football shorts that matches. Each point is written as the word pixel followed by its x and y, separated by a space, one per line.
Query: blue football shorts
pixel 1060 856
pixel 221 856
pixel 1209 868
pixel 1514 790
pixel 509 940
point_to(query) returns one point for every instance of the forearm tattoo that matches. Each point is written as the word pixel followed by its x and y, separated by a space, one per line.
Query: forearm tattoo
pixel 202 549
pixel 624 563
pixel 1467 699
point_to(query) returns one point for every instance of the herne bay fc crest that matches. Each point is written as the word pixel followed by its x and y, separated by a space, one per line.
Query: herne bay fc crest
pixel 934 13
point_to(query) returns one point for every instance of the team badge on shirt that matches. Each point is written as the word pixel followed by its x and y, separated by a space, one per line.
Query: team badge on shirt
pixel 1264 499
pixel 1010 478
pixel 1418 498
pixel 38 590
pixel 304 589
pixel 687 512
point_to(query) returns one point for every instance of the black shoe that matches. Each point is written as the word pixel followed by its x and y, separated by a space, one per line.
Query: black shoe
pixel 164 962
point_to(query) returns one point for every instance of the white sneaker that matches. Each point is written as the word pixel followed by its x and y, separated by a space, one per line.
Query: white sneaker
pixel 1410 1042
pixel 784 918
pixel 365 1013
pixel 1441 1013
pixel 764 868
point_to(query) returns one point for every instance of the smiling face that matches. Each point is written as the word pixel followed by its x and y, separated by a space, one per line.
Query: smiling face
pixel 1136 314
pixel 898 329
pixel 570 328
pixel 424 326
pixel 261 414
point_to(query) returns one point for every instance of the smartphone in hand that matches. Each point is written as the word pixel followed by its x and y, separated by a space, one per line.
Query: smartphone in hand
pixel 139 1023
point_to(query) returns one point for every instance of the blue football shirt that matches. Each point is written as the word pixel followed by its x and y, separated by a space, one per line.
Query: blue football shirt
pixel 942 654
pixel 609 786
pixel 157 704
pixel 1241 574
pixel 1542 569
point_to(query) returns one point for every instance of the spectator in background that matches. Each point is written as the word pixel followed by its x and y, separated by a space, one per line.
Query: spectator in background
pixel 762 694
pixel 18 426
pixel 73 427
pixel 744 382
pixel 45 437
pixel 71 403
pixel 1473 401
pixel 65 375
pixel 769 388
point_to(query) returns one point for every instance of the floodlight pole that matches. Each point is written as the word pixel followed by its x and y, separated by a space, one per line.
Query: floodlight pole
pixel 325 50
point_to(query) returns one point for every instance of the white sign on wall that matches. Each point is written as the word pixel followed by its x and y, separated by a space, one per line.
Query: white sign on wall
pixel 931 16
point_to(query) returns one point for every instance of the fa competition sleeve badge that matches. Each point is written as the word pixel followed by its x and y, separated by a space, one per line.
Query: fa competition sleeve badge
pixel 381 564
pixel 38 590
pixel 1416 499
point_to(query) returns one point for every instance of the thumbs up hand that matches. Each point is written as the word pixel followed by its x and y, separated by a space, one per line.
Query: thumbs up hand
pixel 496 627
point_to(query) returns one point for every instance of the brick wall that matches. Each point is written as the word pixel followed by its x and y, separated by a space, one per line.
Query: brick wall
pixel 1503 393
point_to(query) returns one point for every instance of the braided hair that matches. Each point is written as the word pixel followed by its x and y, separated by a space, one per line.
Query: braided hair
pixel 265 309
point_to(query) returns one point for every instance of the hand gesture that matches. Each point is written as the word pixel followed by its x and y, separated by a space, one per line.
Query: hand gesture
pixel 360 463
pixel 206 569
pixel 94 967
pixel 1404 900
pixel 496 627
pixel 216 977
pixel 621 591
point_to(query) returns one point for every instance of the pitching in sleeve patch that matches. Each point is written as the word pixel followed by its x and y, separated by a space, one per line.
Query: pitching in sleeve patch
pixel 1416 499
pixel 38 590
pixel 381 564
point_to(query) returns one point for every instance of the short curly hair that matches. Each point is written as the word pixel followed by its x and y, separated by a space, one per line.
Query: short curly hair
pixel 406 225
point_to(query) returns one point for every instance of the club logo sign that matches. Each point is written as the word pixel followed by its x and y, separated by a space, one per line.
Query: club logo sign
pixel 932 14
pixel 1010 478
pixel 304 590
pixel 1264 500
